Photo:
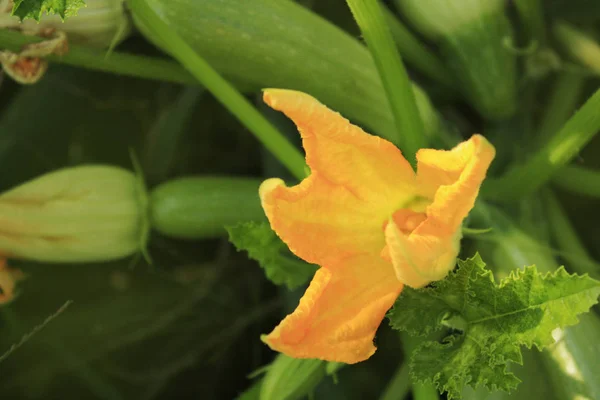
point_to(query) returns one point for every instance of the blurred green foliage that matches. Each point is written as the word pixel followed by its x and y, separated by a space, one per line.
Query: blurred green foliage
pixel 133 330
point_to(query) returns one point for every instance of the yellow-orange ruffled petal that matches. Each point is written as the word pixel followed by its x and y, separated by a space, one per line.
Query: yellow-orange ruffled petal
pixel 368 166
pixel 421 258
pixel 452 178
pixel 455 177
pixel 320 222
pixel 338 315
pixel 357 180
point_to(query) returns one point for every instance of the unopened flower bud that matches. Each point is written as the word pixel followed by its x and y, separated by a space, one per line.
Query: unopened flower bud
pixel 100 23
pixel 80 214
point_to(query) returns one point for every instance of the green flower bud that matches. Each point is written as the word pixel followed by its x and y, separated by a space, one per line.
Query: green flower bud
pixel 472 36
pixel 80 214
pixel 100 23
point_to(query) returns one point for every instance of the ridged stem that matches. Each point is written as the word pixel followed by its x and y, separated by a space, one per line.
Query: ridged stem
pixel 410 134
pixel 524 179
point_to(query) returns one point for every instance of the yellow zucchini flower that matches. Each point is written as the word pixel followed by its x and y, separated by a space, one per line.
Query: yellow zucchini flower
pixel 369 221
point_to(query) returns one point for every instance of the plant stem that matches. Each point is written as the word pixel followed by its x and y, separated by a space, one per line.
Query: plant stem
pixel 424 391
pixel 237 104
pixel 582 47
pixel 532 17
pixel 415 52
pixel 410 132
pixel 399 385
pixel 561 105
pixel 524 179
pixel 566 237
pixel 578 180
pixel 99 60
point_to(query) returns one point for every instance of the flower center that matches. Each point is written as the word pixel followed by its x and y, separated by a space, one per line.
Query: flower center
pixel 407 220
pixel 410 214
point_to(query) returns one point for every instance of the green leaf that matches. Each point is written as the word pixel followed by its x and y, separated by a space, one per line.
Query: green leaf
pixel 33 9
pixel 264 246
pixel 489 322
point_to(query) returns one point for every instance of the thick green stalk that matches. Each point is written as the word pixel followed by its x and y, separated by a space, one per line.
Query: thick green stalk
pixel 582 47
pixel 532 17
pixel 292 378
pixel 410 133
pixel 566 237
pixel 524 179
pixel 399 385
pixel 237 104
pixel 424 391
pixel 561 105
pixel 98 60
pixel 416 53
pixel 578 180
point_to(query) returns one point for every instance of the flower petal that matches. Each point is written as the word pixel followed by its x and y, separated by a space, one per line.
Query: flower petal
pixel 368 166
pixel 452 178
pixel 421 258
pixel 356 182
pixel 320 222
pixel 338 315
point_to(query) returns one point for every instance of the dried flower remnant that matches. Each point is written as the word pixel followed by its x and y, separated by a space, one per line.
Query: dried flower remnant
pixel 29 65
pixel 100 24
pixel 369 221
pixel 9 277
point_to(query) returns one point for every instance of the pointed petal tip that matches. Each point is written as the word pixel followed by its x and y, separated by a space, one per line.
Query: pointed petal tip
pixel 483 145
pixel 268 186
pixel 275 97
pixel 338 316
